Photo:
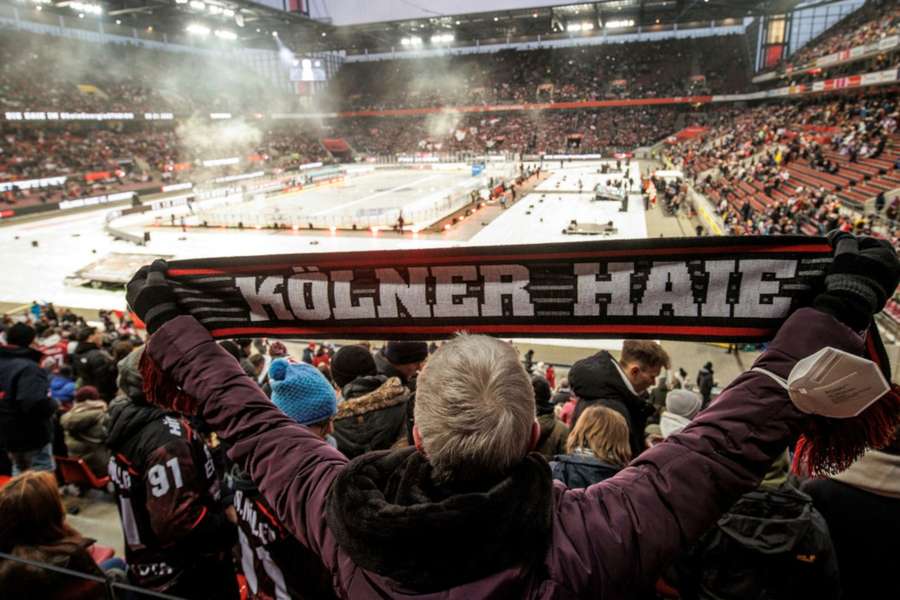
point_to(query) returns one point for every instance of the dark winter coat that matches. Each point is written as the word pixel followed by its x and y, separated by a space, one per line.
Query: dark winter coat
pixel 85 427
pixel 95 367
pixel 26 408
pixel 372 415
pixel 18 580
pixel 271 558
pixel 658 398
pixel 561 396
pixel 705 384
pixel 865 529
pixel 552 440
pixel 771 545
pixel 177 538
pixel 386 369
pixel 580 470
pixel 374 521
pixel 608 389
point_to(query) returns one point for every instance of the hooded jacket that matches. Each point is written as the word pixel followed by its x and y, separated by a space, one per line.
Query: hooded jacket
pixel 372 415
pixel 388 370
pixel 177 538
pixel 26 408
pixel 95 367
pixel 385 530
pixel 85 428
pixel 602 384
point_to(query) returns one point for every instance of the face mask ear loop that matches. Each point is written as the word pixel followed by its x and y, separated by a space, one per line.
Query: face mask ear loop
pixel 773 376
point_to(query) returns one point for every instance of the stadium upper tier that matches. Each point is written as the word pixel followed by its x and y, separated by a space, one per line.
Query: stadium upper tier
pixel 679 67
pixel 872 23
pixel 50 73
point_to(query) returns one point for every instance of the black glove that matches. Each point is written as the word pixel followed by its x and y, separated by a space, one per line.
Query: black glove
pixel 863 276
pixel 150 296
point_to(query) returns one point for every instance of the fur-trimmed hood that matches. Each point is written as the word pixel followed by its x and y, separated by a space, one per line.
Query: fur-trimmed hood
pixel 373 421
pixel 385 393
pixel 392 519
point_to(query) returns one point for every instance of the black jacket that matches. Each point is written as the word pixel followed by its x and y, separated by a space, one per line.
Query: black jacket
pixel 607 388
pixel 385 368
pixel 270 556
pixel 581 471
pixel 561 396
pixel 26 408
pixel 177 538
pixel 705 384
pixel 771 545
pixel 865 528
pixel 372 415
pixel 95 367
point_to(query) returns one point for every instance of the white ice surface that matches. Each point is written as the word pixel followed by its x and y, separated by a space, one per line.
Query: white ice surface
pixel 367 197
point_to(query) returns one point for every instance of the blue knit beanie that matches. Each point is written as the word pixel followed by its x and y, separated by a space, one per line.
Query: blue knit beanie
pixel 301 392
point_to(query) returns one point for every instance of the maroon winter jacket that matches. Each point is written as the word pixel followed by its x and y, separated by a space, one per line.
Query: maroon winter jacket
pixel 606 541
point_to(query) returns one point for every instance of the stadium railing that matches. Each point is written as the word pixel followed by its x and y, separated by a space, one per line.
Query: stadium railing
pixel 77 580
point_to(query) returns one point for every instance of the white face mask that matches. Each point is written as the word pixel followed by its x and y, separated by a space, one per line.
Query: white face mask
pixel 833 383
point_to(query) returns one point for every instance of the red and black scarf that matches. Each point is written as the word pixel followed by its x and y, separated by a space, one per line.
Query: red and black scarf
pixel 730 289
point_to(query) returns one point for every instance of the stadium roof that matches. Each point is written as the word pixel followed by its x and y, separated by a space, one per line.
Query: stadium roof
pixel 561 20
pixel 358 12
pixel 242 21
pixel 383 25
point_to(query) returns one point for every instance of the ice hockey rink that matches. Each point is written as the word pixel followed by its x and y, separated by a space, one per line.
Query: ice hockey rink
pixel 366 197
pixel 70 242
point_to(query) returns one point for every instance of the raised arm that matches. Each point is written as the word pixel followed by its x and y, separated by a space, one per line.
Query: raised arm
pixel 292 467
pixel 630 527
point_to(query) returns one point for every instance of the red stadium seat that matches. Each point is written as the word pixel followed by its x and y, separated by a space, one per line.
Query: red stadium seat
pixel 75 471
pixel 99 552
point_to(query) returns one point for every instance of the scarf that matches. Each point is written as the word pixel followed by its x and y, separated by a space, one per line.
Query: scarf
pixel 734 289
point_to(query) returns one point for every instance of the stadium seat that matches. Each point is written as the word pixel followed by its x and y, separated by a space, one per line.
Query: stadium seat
pixel 100 553
pixel 75 471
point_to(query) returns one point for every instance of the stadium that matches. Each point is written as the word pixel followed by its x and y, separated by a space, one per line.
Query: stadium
pixel 499 299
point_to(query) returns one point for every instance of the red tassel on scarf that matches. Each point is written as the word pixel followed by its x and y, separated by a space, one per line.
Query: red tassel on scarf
pixel 829 446
pixel 161 390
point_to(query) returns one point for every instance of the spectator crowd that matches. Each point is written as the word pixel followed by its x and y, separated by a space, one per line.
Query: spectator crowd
pixel 766 168
pixel 658 69
pixel 876 20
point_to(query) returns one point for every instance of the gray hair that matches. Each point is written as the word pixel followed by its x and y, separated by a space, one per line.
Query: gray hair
pixel 474 409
